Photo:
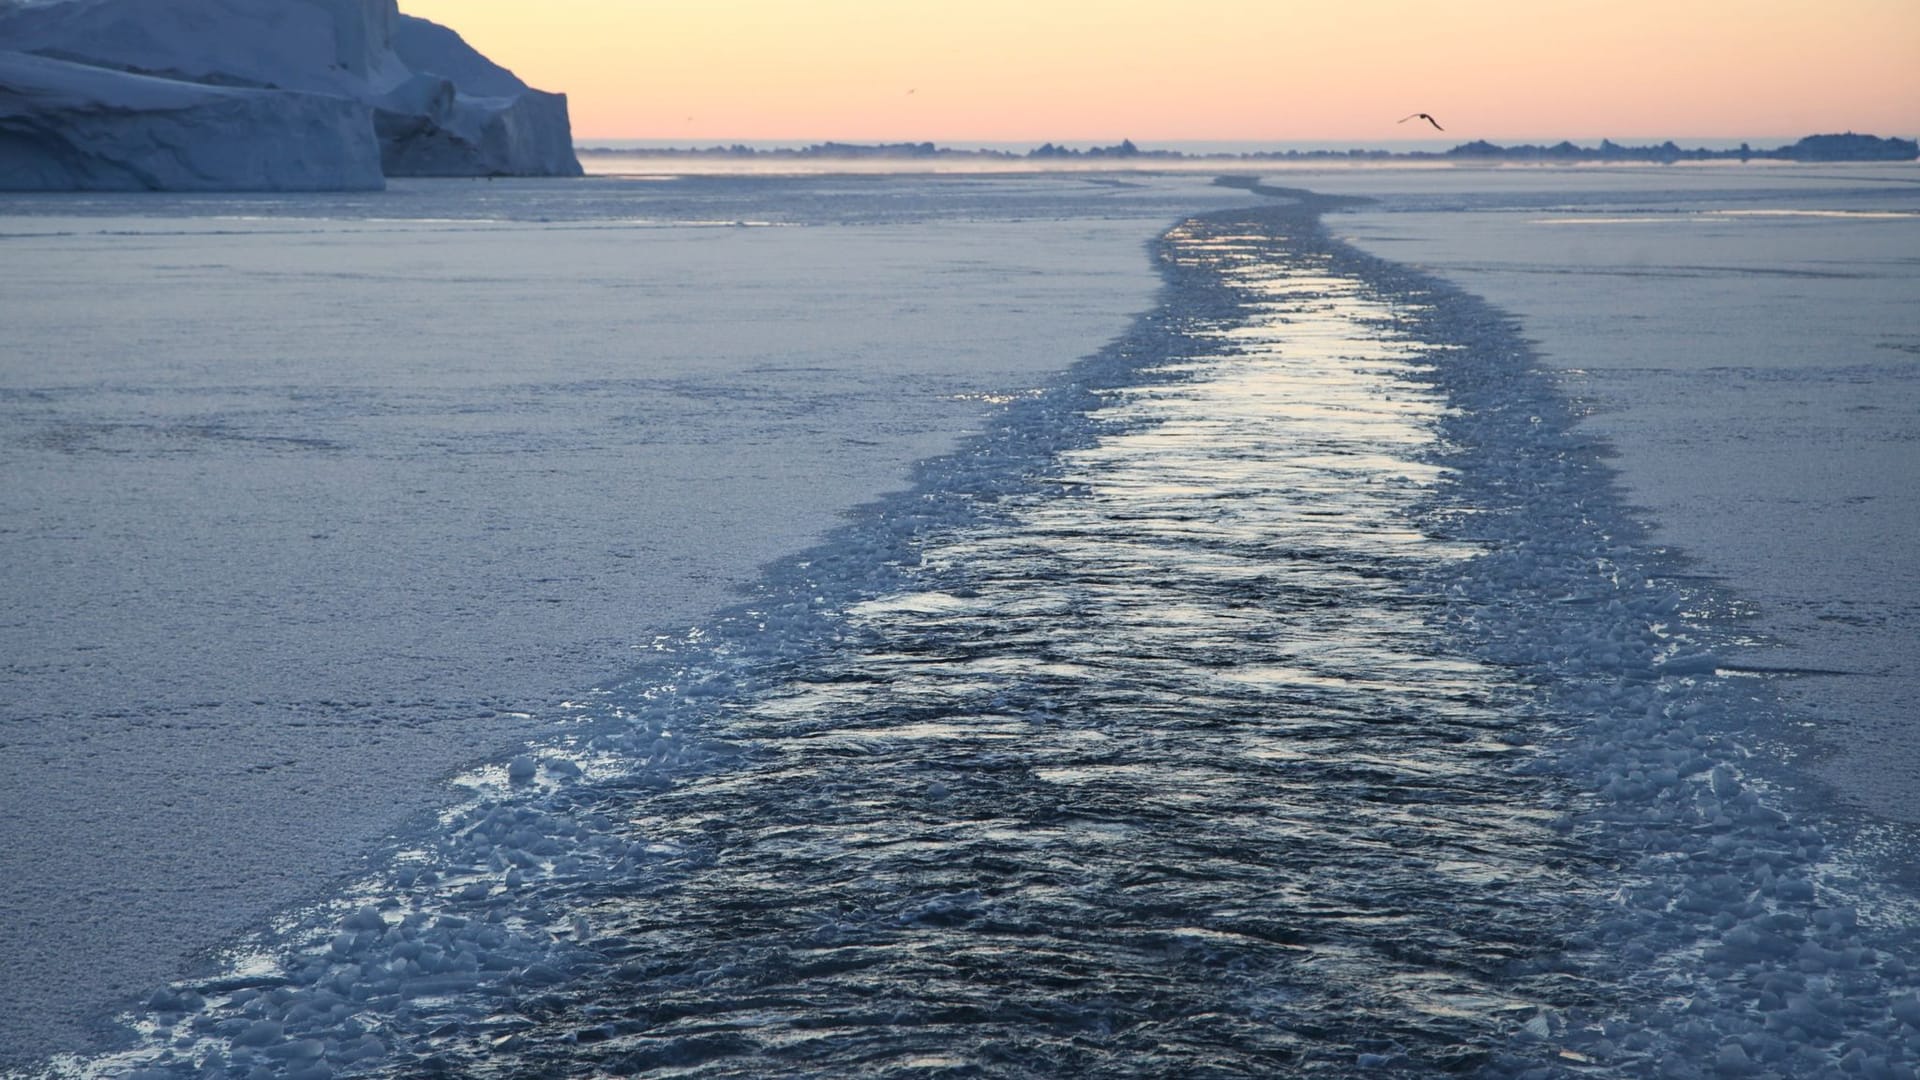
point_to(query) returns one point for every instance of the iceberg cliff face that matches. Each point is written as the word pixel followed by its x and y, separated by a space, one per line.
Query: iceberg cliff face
pixel 434 105
pixel 67 126
pixel 486 121
pixel 323 46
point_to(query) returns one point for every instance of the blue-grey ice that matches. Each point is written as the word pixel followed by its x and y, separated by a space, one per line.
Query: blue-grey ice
pixel 239 95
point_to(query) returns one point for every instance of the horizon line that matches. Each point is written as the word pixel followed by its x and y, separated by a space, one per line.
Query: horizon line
pixel 1146 142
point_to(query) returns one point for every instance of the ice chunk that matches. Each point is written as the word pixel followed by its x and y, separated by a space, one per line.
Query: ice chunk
pixel 1732 1060
pixel 1724 784
pixel 1699 663
pixel 260 1033
pixel 367 918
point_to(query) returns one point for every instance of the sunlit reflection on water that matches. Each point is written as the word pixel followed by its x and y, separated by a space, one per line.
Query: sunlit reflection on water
pixel 1148 758
pixel 1159 763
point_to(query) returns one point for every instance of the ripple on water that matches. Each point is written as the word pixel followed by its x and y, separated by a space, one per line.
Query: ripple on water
pixel 1156 762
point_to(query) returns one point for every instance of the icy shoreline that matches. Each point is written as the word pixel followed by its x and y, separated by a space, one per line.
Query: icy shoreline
pixel 1724 942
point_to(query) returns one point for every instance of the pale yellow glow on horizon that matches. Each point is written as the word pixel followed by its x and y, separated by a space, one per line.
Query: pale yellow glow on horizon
pixel 1076 70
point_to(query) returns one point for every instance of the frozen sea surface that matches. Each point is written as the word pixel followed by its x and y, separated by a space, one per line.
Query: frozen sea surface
pixel 1287 689
pixel 1748 343
pixel 311 500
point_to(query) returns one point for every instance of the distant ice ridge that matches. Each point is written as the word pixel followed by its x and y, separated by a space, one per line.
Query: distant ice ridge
pixel 258 95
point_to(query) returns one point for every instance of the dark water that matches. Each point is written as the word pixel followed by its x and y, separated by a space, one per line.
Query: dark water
pixel 1154 762
pixel 1221 711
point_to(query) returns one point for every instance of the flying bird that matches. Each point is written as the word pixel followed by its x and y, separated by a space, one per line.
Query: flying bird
pixel 1422 116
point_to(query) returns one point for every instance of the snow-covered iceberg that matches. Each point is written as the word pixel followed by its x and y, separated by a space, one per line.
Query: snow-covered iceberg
pixel 129 70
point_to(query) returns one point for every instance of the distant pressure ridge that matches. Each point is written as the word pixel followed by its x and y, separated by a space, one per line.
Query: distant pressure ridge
pixel 1844 147
pixel 258 95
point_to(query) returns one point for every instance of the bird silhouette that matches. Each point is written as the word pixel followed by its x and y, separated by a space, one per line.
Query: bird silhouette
pixel 1422 116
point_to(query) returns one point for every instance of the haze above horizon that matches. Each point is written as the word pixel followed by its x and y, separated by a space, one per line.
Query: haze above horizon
pixel 1239 70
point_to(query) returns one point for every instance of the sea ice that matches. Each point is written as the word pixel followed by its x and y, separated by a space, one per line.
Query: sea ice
pixel 342 493
pixel 1744 342
pixel 1496 583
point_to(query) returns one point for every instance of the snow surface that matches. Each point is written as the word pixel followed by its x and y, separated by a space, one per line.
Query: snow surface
pixel 1748 341
pixel 342 493
pixel 436 106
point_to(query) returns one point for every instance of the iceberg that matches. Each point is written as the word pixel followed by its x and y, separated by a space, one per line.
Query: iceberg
pixel 461 114
pixel 271 94
pixel 68 126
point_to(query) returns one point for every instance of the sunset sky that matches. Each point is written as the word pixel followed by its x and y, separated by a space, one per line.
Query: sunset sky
pixel 1267 70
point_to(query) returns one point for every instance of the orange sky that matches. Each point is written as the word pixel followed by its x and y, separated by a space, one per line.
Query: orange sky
pixel 1083 71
